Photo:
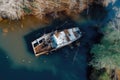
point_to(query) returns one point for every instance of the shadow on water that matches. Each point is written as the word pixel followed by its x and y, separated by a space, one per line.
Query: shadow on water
pixel 97 13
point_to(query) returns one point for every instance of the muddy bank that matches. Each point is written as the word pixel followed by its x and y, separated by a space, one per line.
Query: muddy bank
pixel 13 9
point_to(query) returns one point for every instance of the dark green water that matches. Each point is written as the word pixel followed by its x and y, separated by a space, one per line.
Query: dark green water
pixel 17 61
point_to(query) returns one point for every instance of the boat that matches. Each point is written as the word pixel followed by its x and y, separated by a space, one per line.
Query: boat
pixel 54 40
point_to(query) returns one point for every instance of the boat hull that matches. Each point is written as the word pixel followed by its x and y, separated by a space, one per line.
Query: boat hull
pixel 55 40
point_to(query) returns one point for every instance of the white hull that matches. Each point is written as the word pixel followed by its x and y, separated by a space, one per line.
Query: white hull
pixel 55 40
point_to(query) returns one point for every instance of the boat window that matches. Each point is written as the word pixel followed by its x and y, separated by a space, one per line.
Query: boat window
pixel 78 32
pixel 35 44
pixel 54 44
pixel 40 41
pixel 69 34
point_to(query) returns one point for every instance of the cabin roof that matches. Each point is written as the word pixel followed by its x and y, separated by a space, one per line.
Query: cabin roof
pixel 65 36
pixel 60 38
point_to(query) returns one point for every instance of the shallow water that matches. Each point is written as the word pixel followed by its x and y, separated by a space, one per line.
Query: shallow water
pixel 17 62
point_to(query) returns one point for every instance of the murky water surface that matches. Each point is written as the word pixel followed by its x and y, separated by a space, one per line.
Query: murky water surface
pixel 17 61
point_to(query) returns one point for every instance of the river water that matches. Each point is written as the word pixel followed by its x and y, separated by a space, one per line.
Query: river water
pixel 17 61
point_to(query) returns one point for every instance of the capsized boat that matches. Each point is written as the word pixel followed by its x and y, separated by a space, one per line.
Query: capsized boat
pixel 55 40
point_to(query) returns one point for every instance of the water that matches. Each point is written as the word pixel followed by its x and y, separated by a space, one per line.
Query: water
pixel 17 62
pixel 20 63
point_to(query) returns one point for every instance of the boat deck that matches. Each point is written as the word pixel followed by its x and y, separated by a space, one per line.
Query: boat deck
pixel 53 41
